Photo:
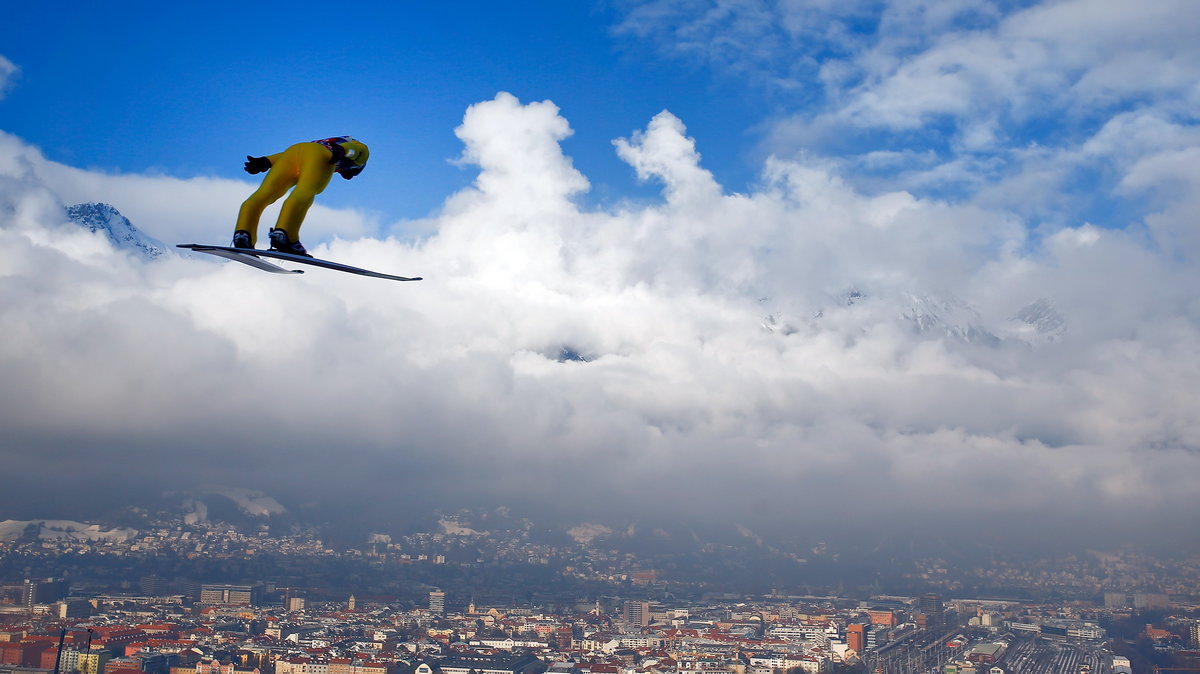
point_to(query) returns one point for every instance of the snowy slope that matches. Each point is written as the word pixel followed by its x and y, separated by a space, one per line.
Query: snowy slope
pixel 250 501
pixel 14 529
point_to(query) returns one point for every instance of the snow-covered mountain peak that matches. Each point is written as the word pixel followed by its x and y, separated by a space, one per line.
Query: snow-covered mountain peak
pixel 949 316
pixel 1037 322
pixel 101 217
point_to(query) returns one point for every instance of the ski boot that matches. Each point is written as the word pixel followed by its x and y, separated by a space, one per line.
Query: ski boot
pixel 241 239
pixel 280 243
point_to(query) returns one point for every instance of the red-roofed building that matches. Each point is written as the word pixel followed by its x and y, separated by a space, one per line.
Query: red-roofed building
pixel 880 617
pixel 11 653
pixel 856 637
pixel 37 653
pixel 169 645
pixel 340 665
pixel 161 630
pixel 212 667
pixel 71 638
pixel 1156 634
pixel 375 668
pixel 114 639
pixel 644 577
pixel 13 634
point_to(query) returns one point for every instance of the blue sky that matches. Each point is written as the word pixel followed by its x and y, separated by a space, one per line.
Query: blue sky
pixel 944 99
pixel 148 86
pixel 914 251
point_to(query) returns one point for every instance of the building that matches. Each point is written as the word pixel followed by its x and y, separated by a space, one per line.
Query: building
pixel 703 663
pixel 856 637
pixel 77 608
pixel 1143 601
pixel 985 654
pixel 226 595
pixel 1139 600
pixel 770 662
pixel 115 639
pixel 87 663
pixel 930 605
pixel 437 602
pixel 508 643
pixel 20 654
pixel 882 617
pixel 153 585
pixel 301 665
pixel 563 639
pixel 636 613
pixel 297 665
pixel 804 630
pixel 19 669
pixel 150 663
pixel 1117 600
pixel 1059 630
pixel 43 591
pixel 212 667
pixel 503 663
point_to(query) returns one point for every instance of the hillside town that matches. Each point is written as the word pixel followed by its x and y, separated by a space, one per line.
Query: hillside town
pixel 198 597
pixel 110 554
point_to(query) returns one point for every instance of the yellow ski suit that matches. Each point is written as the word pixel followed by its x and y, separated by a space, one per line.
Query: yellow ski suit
pixel 306 167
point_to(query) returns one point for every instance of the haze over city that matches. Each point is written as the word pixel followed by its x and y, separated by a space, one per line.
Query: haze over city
pixel 776 269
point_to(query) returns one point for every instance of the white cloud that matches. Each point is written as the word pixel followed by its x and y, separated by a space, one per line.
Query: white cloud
pixel 8 72
pixel 454 385
pixel 665 153
pixel 516 148
pixel 1039 108
pixel 1064 57
pixel 1088 71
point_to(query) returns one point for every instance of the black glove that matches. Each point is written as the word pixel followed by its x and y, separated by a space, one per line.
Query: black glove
pixel 257 164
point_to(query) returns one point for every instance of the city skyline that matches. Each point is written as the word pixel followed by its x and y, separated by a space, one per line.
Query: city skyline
pixel 765 635
pixel 203 597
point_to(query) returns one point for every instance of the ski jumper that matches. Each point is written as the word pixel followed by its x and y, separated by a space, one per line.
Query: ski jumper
pixel 304 168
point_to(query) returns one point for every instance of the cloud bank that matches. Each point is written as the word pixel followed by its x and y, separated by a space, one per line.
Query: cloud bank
pixel 756 359
pixel 1049 110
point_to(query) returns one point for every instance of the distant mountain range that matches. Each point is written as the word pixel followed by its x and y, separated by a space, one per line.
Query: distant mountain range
pixel 103 218
pixel 945 316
